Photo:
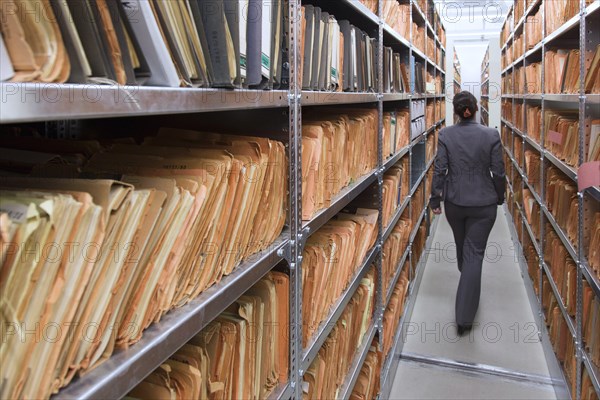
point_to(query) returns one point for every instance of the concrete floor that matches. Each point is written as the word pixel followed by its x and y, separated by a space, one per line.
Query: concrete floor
pixel 504 333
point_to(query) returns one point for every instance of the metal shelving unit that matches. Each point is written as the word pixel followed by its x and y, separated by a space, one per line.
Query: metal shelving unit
pixel 27 103
pixel 346 389
pixel 588 37
pixel 337 309
pixel 117 376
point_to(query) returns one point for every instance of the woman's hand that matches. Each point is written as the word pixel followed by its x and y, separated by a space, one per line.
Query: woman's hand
pixel 437 211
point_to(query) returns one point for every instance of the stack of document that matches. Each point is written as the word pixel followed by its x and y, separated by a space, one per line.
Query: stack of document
pixel 593 247
pixel 337 56
pixel 328 371
pixel 533 168
pixel 592 67
pixel 430 114
pixel 562 71
pixel 428 179
pixel 520 83
pixel 533 78
pixel 395 72
pixel 563 269
pixel 418 246
pixel 591 323
pixel 534 118
pixel 397 15
pixel 394 311
pixel 519 116
pixel 200 43
pixel 507 83
pixel 532 212
pixel 507 110
pixel 332 256
pixel 368 381
pixel 431 146
pixel 395 131
pixel 391 192
pixel 561 200
pixel 393 249
pixel 418 36
pixel 337 149
pixel 430 47
pixel 517 46
pixel 557 12
pixel 118 254
pixel 561 135
pixel 405 185
pixel 592 140
pixel 533 31
pixel 242 354
pixel 372 5
pixel 531 258
pixel 588 391
pixel 559 333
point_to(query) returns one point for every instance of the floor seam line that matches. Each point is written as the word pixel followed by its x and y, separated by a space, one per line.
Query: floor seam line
pixel 482 369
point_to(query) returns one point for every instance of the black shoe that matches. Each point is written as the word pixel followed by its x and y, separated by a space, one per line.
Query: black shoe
pixel 462 329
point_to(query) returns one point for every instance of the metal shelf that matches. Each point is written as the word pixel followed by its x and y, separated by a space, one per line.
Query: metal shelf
pixel 340 201
pixel 534 241
pixel 591 277
pixel 592 370
pixel 281 392
pixel 533 144
pixel 534 50
pixel 394 280
pixel 126 368
pixel 395 35
pixel 362 9
pixel 562 235
pixel 387 164
pixel 314 98
pixel 566 169
pixel 396 96
pixel 413 234
pixel 592 98
pixel 388 229
pixel 337 308
pixel 571 23
pixel 389 358
pixel 560 301
pixel 421 177
pixel 419 53
pixel 563 98
pixel 33 102
pixel 348 386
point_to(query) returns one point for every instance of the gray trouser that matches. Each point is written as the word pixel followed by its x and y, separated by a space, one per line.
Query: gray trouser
pixel 471 227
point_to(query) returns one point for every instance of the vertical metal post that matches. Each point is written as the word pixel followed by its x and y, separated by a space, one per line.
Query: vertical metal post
pixel 542 175
pixel 295 204
pixel 378 317
pixel 580 200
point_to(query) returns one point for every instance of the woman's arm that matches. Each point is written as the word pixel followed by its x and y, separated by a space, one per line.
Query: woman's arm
pixel 497 168
pixel 440 170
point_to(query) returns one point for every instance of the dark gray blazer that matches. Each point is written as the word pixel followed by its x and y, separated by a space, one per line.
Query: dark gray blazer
pixel 469 168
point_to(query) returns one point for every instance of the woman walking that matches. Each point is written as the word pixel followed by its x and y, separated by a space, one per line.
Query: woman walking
pixel 469 178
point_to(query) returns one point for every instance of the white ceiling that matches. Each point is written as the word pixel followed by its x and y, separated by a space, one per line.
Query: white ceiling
pixel 473 18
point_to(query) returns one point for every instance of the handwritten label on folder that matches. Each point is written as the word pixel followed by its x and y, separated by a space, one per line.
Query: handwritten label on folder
pixel 588 175
pixel 555 137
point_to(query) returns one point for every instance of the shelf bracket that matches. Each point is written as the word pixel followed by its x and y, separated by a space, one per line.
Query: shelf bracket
pixel 285 251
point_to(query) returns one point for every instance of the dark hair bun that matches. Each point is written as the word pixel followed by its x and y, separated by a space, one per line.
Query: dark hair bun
pixel 465 105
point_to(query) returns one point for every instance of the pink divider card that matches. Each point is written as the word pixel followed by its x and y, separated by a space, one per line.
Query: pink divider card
pixel 555 137
pixel 588 175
